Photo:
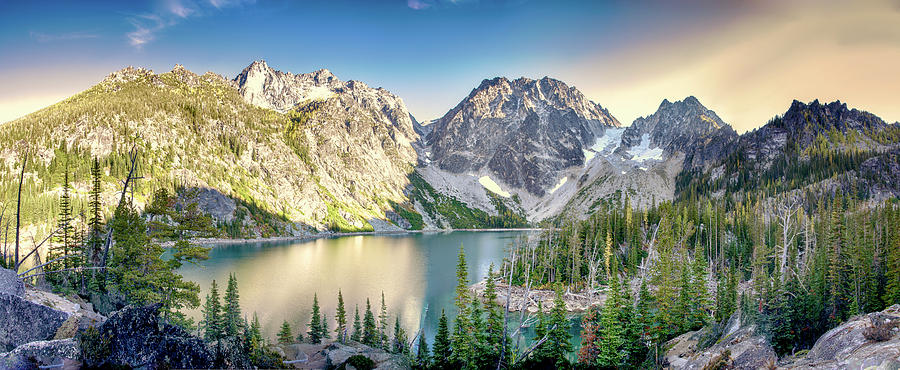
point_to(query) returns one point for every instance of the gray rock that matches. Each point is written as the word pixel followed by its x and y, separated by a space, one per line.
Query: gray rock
pixel 23 321
pixel 847 346
pixel 337 353
pixel 40 353
pixel 134 337
pixel 739 346
pixel 10 283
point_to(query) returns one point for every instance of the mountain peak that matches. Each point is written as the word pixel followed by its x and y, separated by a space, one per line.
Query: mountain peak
pixel 817 117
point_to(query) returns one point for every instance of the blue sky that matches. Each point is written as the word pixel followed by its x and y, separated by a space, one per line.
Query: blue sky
pixel 625 55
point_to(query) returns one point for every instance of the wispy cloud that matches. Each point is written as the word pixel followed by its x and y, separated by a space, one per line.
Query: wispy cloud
pixel 67 36
pixel 425 4
pixel 169 13
pixel 145 28
pixel 418 4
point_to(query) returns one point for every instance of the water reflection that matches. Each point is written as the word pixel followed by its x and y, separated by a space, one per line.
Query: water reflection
pixel 416 272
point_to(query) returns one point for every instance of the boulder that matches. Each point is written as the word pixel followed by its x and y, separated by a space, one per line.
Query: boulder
pixel 23 321
pixel 740 347
pixel 134 337
pixel 10 283
pixel 41 354
pixel 336 354
pixel 865 341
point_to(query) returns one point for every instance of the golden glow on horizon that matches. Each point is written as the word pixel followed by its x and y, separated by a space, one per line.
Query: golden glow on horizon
pixel 749 70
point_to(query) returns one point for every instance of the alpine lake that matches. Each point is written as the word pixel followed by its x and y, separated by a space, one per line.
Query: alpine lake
pixel 416 272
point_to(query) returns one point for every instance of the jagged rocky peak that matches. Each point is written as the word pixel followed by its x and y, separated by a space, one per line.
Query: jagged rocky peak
pixel 127 74
pixel 496 96
pixel 522 132
pixel 266 87
pixel 819 117
pixel 685 126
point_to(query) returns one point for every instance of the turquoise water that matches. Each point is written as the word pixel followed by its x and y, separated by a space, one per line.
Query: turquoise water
pixel 416 273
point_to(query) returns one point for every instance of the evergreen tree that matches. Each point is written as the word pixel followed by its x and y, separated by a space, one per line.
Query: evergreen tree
pixel 460 339
pixel 443 347
pixel 341 316
pixel 315 323
pixel 399 344
pixel 483 354
pixel 212 315
pixel 95 205
pixel 612 333
pixel 357 327
pixel 325 334
pixel 232 317
pixel 423 359
pixel 65 233
pixel 554 327
pixel 370 329
pixel 892 275
pixel 383 339
pixel 494 326
pixel 254 334
pixel 284 335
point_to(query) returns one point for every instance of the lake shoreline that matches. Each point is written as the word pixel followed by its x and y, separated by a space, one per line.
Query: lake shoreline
pixel 329 235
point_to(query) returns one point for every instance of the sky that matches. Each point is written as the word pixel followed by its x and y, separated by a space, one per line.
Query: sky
pixel 746 60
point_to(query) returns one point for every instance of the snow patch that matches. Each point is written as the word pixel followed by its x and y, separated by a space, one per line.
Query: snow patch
pixel 605 145
pixel 643 152
pixel 611 139
pixel 560 184
pixel 489 184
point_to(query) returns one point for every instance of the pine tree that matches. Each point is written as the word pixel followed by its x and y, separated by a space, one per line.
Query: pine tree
pixel 370 329
pixel 66 233
pixel 254 334
pixel 383 339
pixel 726 296
pixel 284 335
pixel 612 332
pixel 232 317
pixel 341 316
pixel 96 222
pixel 555 327
pixel 443 347
pixel 494 325
pixel 460 339
pixel 483 354
pixel 315 323
pixel 700 304
pixel 212 315
pixel 892 275
pixel 423 359
pixel 324 333
pixel 399 344
pixel 646 319
pixel 357 327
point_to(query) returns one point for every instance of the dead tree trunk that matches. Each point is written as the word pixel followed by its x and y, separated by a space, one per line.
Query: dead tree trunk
pixel 19 209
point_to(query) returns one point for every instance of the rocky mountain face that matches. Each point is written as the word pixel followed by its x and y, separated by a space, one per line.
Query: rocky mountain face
pixel 522 133
pixel 322 154
pixel 818 147
pixel 358 139
pixel 642 161
pixel 684 126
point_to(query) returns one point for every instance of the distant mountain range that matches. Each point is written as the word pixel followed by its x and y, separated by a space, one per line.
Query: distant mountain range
pixel 278 153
